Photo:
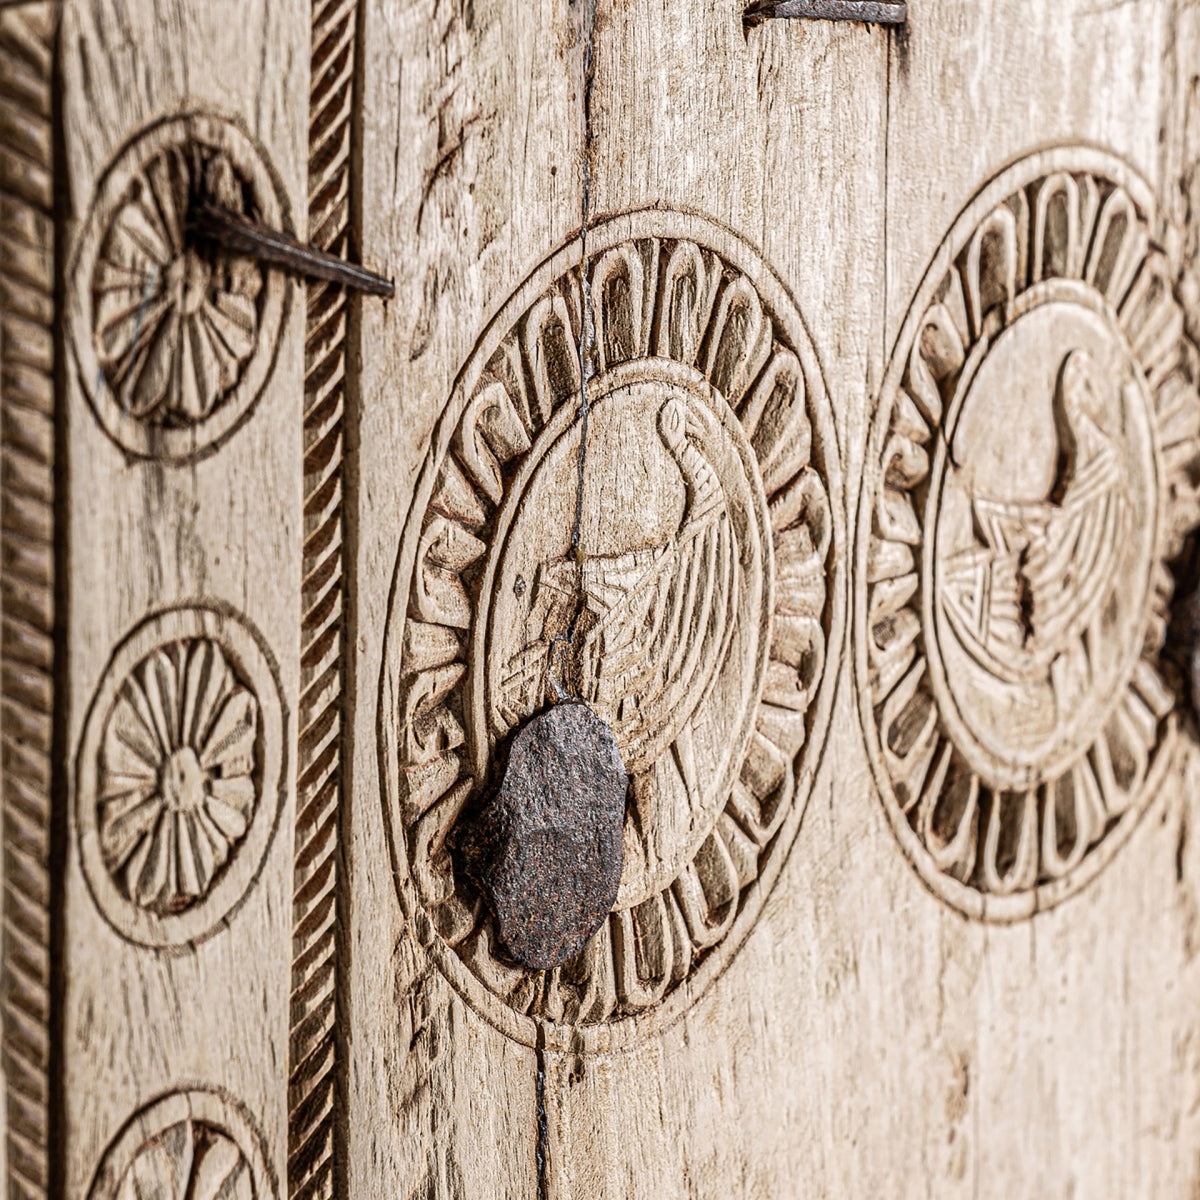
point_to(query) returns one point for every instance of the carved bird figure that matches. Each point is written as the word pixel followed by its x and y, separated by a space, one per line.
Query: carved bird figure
pixel 640 636
pixel 1046 567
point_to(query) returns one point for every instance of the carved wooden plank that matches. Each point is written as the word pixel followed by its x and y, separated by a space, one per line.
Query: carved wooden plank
pixel 724 116
pixel 817 402
pixel 185 532
pixel 470 179
pixel 1055 823
pixel 28 595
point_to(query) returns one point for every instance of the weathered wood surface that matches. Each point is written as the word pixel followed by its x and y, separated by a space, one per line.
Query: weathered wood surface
pixel 817 401
pixel 184 536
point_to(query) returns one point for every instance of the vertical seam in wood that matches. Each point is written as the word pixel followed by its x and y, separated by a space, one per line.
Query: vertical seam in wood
pixel 314 1086
pixel 27 580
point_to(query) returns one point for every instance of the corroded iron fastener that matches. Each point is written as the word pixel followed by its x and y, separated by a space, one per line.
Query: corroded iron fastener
pixel 873 12
pixel 1189 615
pixel 239 234
pixel 547 848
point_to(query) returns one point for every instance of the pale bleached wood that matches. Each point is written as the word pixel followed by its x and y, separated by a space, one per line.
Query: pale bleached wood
pixel 225 527
pixel 709 1106
pixel 883 1028
pixel 470 177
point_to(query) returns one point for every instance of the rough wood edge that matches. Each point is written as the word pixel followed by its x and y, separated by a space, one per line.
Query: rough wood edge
pixel 27 583
pixel 313 1083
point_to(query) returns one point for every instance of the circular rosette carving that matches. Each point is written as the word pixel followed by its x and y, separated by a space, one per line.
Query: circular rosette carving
pixel 175 336
pixel 179 775
pixel 1030 474
pixel 648 519
pixel 192 1145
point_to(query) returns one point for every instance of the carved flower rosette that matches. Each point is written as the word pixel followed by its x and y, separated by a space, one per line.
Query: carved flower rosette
pixel 187 1145
pixel 632 498
pixel 179 775
pixel 175 336
pixel 1032 471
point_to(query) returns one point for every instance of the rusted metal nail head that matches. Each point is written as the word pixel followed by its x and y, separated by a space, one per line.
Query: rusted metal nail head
pixel 547 847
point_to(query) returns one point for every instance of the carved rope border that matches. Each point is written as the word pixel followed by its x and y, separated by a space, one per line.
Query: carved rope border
pixel 315 1067
pixel 28 601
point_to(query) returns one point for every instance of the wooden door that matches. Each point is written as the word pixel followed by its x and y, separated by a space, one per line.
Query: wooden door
pixel 815 400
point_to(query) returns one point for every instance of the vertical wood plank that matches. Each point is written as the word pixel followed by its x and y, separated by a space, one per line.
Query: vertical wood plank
pixel 1078 1010
pixel 470 178
pixel 185 535
pixel 778 134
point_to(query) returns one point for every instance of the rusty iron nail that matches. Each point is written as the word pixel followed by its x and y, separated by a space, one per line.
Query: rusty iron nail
pixel 237 233
pixel 547 847
pixel 1184 630
pixel 873 12
pixel 1189 617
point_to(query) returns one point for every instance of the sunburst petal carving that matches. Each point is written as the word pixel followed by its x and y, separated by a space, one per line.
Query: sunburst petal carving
pixel 177 788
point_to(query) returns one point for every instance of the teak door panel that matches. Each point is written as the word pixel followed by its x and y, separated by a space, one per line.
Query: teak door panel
pixel 817 400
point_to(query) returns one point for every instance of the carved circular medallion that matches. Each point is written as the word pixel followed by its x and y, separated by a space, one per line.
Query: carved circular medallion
pixel 179 775
pixel 175 338
pixel 657 535
pixel 192 1145
pixel 1030 473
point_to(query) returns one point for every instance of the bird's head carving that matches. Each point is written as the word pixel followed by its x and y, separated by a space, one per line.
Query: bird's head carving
pixel 1079 386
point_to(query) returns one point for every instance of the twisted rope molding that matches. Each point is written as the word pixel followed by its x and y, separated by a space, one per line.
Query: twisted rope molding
pixel 27 600
pixel 313 1052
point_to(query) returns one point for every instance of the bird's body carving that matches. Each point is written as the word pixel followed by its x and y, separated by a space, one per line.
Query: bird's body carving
pixel 1039 580
pixel 640 636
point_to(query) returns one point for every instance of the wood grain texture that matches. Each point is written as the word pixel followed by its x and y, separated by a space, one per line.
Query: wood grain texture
pixel 177 1021
pixel 470 163
pixel 313 1087
pixel 27 598
pixel 818 401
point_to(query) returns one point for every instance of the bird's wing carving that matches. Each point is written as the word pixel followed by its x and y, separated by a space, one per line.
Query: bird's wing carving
pixel 653 656
pixel 640 635
pixel 1048 566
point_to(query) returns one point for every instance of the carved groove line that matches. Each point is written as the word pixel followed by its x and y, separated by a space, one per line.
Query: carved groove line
pixel 27 554
pixel 312 1081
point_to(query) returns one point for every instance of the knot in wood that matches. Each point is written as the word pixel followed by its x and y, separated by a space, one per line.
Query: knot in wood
pixel 547 848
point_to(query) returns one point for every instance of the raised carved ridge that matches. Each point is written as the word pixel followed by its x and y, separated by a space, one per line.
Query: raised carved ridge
pixel 312 1081
pixel 27 563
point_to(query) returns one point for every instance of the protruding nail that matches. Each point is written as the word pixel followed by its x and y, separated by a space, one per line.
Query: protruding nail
pixel 547 848
pixel 873 12
pixel 236 232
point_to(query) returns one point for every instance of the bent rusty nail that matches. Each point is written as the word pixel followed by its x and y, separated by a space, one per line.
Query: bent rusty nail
pixel 875 12
pixel 238 233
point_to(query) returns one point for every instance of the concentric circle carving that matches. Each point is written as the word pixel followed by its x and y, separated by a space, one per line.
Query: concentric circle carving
pixel 175 337
pixel 1031 472
pixel 188 1145
pixel 179 775
pixel 633 499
